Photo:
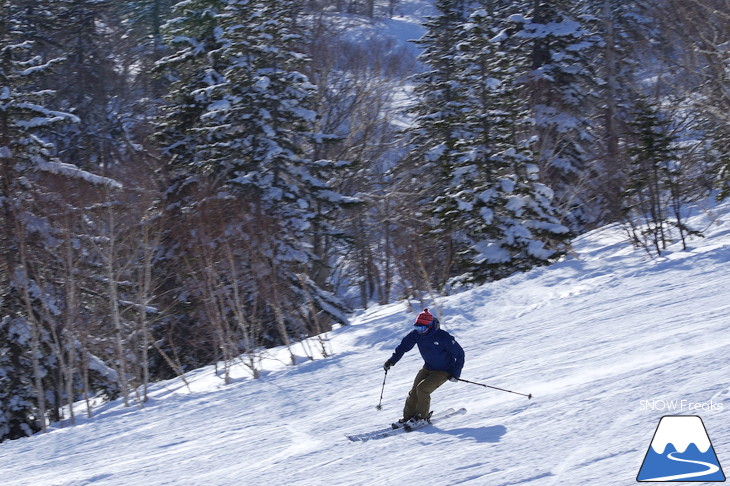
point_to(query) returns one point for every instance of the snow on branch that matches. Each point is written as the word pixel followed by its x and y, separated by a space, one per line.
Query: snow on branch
pixel 69 170
pixel 46 116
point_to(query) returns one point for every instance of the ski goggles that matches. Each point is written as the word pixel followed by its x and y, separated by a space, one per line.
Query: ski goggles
pixel 421 329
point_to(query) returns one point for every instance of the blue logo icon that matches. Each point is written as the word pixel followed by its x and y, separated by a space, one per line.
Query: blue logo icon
pixel 681 451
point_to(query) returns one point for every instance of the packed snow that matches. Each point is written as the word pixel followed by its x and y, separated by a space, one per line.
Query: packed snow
pixel 608 341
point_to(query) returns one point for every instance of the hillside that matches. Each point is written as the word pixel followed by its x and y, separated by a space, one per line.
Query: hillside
pixel 604 340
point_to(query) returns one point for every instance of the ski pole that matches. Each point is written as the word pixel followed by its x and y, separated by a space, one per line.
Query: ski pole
pixel 379 406
pixel 529 396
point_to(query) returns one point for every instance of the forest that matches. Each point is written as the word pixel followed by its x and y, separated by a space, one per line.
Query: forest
pixel 195 182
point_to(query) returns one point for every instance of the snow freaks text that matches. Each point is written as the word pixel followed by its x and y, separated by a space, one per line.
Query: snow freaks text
pixel 681 406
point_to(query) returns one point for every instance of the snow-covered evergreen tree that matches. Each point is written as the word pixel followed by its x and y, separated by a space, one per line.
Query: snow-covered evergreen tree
pixel 145 18
pixel 17 395
pixel 424 175
pixel 483 182
pixel 23 156
pixel 237 123
pixel 38 309
pixel 272 100
pixel 89 83
pixel 505 214
pixel 441 103
pixel 143 46
pixel 619 26
pixel 559 85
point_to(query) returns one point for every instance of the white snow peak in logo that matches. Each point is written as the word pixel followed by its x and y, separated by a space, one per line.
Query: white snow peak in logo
pixel 681 451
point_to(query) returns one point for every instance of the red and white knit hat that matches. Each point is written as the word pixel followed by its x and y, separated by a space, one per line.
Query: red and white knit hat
pixel 424 318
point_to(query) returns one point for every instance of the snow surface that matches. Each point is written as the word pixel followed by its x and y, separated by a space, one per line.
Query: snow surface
pixel 595 338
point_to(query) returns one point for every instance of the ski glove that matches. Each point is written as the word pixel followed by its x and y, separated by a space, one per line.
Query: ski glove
pixel 388 364
pixel 455 379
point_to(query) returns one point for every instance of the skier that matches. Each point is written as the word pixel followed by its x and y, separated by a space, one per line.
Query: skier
pixel 443 360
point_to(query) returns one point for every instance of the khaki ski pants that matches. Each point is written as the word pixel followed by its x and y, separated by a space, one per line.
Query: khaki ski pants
pixel 418 403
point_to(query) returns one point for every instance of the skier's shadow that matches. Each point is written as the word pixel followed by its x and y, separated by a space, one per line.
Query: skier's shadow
pixel 480 434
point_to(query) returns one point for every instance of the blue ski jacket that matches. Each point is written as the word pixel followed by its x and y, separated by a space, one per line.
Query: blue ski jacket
pixel 439 350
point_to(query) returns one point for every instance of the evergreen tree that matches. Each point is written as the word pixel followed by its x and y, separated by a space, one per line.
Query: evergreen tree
pixel 145 18
pixel 619 26
pixel 483 185
pixel 441 104
pixel 38 306
pixel 89 83
pixel 24 116
pixel 657 189
pixel 559 84
pixel 17 393
pixel 142 47
pixel 237 123
pixel 505 214
pixel 425 173
pixel 272 101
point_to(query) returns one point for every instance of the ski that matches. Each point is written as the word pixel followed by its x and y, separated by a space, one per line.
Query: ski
pixel 390 431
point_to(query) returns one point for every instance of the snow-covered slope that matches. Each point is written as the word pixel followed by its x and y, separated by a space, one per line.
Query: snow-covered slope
pixel 605 341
